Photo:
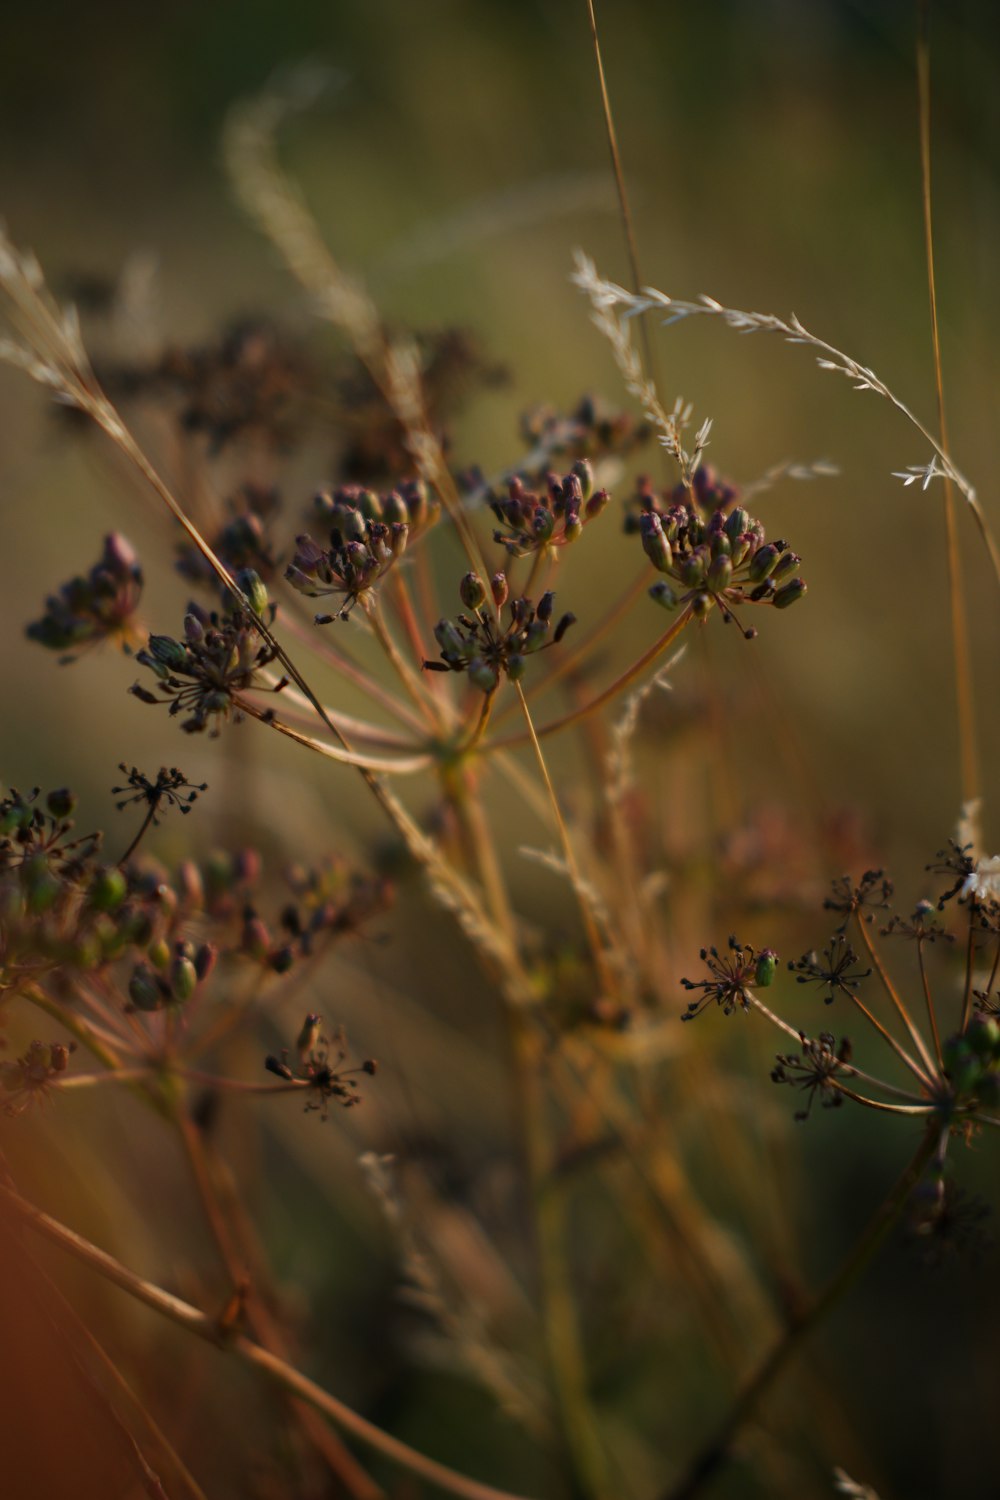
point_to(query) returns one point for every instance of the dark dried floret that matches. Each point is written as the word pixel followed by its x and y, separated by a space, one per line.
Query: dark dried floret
pixel 320 1068
pixel 98 607
pixel 815 1070
pixel 946 1221
pixel 832 969
pixel 736 972
pixel 871 894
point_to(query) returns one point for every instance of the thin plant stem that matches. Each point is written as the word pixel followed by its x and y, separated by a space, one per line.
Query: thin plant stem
pixel 970 956
pixel 573 869
pixel 959 625
pixel 250 1353
pixel 619 175
pixel 146 822
pixel 929 1001
pixel 609 693
pixel 411 683
pixel 328 1445
pixel 894 996
pixel 717 1451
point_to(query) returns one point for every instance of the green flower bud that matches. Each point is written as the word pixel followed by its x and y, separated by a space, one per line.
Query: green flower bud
pixel 183 978
pixel 767 963
pixel 145 990
pixel 108 889
pixel 788 595
pixel 252 587
pixel 483 674
pixel 515 667
pixel 720 574
pixel 448 638
pixel 158 953
pixel 168 653
pixel 585 474
pixel 61 803
pixel 472 591
pixel 763 562
pixel 654 541
pixel 42 887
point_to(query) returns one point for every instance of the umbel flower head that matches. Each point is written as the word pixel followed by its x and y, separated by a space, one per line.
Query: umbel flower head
pixel 369 533
pixel 481 645
pixel 98 607
pixel 243 541
pixel 714 557
pixel 204 674
pixel 532 521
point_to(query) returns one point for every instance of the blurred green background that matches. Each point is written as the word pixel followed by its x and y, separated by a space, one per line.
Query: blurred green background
pixel 771 153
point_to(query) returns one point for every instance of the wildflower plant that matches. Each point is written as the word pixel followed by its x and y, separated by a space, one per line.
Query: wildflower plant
pixel 152 974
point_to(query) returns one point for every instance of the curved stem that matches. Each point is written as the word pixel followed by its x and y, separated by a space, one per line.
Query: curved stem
pixel 250 1353
pixel 893 994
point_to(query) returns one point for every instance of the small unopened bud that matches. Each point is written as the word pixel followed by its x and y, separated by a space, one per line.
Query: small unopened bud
pixel 205 960
pixel 763 562
pixel 281 1069
pixel 516 667
pixel 720 573
pixel 144 989
pixel 472 591
pixel 663 594
pixel 561 629
pixel 308 1036
pixel 654 541
pixel 253 589
pixel 767 964
pixel 183 977
pixel 449 639
pixel 108 890
pixel 546 605
pixel 500 589
pixel 483 674
pixel 58 1057
pixel 737 522
pixel 61 803
pixel 789 593
pixel 585 476
pixel 166 652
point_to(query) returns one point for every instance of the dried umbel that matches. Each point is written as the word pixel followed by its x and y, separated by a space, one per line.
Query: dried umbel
pixel 203 675
pixel 533 521
pixel 480 644
pixel 953 1082
pixel 250 383
pixel 320 1069
pixel 369 532
pixel 592 430
pixel 721 561
pixel 97 607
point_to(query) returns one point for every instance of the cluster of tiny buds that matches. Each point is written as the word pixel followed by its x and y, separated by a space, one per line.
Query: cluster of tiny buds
pixel 532 521
pixel 100 606
pixel 481 645
pixel 243 542
pixel 369 532
pixel 171 976
pixel 219 657
pixel 717 558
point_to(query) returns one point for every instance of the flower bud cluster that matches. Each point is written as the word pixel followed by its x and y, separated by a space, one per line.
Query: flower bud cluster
pixel 204 674
pixel 369 532
pixel 532 521
pixel 101 606
pixel 592 430
pixel 481 645
pixel 723 559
